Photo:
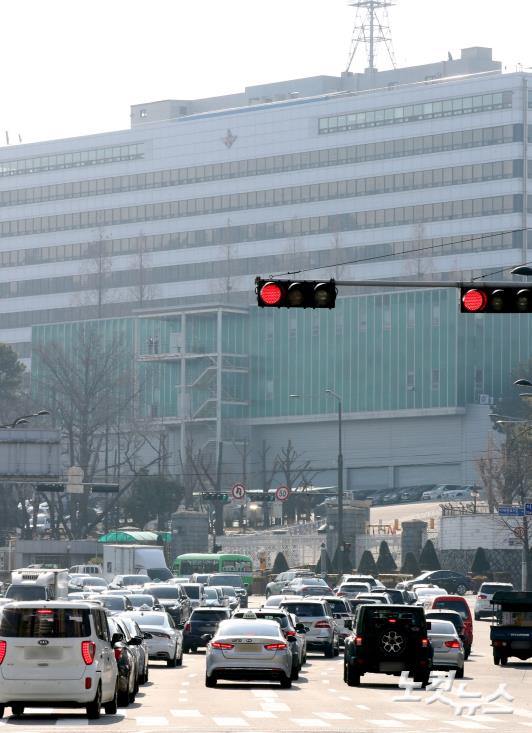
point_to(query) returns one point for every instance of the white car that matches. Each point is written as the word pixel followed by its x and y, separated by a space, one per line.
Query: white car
pixel 351 590
pixel 425 595
pixel 249 649
pixel 483 606
pixel 56 654
pixel 165 640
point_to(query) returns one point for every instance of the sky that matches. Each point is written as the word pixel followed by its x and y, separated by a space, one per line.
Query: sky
pixel 74 67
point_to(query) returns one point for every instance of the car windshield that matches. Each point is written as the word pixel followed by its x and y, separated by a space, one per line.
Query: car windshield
pixel 211 593
pixel 206 615
pixel 149 619
pixel 338 606
pixel 452 616
pixel 135 579
pixel 305 609
pixel 251 627
pixel 113 603
pixel 40 623
pixel 416 615
pixel 192 591
pixel 308 581
pixel 95 581
pixel 26 593
pixel 166 592
pixel 228 591
pixel 442 627
pixel 138 600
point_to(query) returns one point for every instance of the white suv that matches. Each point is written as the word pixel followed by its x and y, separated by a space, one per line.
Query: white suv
pixel 485 593
pixel 56 654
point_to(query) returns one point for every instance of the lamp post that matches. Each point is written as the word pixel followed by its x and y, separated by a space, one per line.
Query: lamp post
pixel 340 475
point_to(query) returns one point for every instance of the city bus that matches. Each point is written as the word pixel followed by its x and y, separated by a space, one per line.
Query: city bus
pixel 222 562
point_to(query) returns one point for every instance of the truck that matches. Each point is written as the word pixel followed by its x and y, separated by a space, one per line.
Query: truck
pixel 134 560
pixel 38 584
pixel 511 634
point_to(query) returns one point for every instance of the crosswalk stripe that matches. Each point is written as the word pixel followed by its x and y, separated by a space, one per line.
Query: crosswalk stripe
pixel 229 722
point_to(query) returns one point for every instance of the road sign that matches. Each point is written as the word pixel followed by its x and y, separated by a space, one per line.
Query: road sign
pixel 282 493
pixel 528 508
pixel 238 492
pixel 510 510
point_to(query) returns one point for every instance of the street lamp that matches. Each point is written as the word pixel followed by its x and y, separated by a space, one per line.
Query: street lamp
pixel 340 475
pixel 24 419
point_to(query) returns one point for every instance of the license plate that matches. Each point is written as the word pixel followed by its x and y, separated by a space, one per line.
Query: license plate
pixel 248 647
pixel 390 667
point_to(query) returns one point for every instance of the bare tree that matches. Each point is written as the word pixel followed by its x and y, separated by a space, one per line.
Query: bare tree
pixel 296 473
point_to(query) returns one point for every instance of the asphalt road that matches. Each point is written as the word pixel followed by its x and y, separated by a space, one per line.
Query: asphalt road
pixel 177 700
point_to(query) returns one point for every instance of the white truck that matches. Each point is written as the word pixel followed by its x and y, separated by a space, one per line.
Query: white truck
pixel 134 560
pixel 38 584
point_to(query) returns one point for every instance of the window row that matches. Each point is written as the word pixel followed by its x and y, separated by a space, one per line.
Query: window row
pixel 76 159
pixel 415 112
pixel 260 199
pixel 274 164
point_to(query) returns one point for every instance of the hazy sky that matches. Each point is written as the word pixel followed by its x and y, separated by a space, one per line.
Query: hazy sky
pixel 73 67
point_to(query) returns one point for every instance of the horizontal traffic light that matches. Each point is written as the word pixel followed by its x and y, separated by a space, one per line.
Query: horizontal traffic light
pixel 51 487
pixel 295 293
pixel 105 488
pixel 214 496
pixel 508 299
pixel 262 497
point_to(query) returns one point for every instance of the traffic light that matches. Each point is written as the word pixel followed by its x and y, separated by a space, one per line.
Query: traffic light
pixel 51 487
pixel 295 293
pixel 105 488
pixel 262 497
pixel 214 496
pixel 508 299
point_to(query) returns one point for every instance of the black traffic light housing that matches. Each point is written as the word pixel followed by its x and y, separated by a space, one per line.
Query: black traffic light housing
pixel 215 496
pixel 295 293
pixel 51 487
pixel 507 299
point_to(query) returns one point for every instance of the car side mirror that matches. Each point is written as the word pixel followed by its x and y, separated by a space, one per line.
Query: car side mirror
pixel 301 628
pixel 135 641
pixel 429 625
pixel 146 635
pixel 116 637
pixel 292 639
pixel 206 638
pixel 157 607
pixel 180 627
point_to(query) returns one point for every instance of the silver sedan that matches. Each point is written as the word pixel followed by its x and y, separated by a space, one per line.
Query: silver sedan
pixel 448 648
pixel 249 649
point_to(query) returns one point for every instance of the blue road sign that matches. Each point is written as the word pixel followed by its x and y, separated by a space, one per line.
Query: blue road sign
pixel 528 508
pixel 507 510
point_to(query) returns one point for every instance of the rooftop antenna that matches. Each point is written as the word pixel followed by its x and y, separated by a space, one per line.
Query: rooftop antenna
pixel 372 26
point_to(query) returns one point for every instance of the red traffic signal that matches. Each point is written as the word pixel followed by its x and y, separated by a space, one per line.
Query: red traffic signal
pixel 508 299
pixel 295 293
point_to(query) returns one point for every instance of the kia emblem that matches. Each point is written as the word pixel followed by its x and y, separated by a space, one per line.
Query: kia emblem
pixel 43 642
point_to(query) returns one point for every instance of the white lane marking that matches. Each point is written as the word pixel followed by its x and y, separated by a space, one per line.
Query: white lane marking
pixel 259 714
pixel 333 716
pixel 149 721
pixel 386 723
pixel 360 707
pixel 326 682
pixel 275 707
pixel 407 716
pixel 38 711
pixel 332 690
pixel 311 723
pixel 468 724
pixel 183 713
pixel 185 684
pixel 265 693
pixel 228 722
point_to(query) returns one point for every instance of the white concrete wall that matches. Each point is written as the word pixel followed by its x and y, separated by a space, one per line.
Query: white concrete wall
pixel 469 531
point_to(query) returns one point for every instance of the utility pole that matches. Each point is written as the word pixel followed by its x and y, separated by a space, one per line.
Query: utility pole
pixel 218 505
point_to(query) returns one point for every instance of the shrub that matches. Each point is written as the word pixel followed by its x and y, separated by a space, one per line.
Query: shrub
pixel 410 566
pixel 279 564
pixel 481 564
pixel 367 565
pixel 385 561
pixel 428 560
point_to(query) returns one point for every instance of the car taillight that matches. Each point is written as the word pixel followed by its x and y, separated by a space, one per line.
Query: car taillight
pixel 424 642
pixel 453 644
pixel 188 627
pixel 290 633
pixel 118 653
pixel 88 651
pixel 341 594
pixel 481 597
pixel 322 625
pixel 275 647
pixel 3 649
pixel 359 640
pixel 221 645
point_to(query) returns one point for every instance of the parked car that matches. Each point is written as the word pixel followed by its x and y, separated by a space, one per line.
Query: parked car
pixel 447 647
pixel 453 582
pixel 438 492
pixel 459 604
pixel 455 494
pixel 414 493
pixel 202 621
pixel 483 605
pixel 81 669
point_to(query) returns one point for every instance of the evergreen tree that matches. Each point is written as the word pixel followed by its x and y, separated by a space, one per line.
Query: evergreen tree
pixel 385 561
pixel 481 564
pixel 410 566
pixel 428 560
pixel 279 564
pixel 367 565
pixel 328 569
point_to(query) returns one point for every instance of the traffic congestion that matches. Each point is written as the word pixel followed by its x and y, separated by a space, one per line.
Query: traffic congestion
pixel 90 642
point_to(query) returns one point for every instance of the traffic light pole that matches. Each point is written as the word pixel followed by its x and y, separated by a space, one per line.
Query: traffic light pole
pixel 423 283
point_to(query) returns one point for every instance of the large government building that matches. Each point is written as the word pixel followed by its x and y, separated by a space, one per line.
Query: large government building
pixel 418 173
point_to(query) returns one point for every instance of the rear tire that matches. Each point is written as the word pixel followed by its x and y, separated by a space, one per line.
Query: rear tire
pixel 17 710
pixel 179 660
pixel 477 617
pixel 504 660
pixel 111 707
pixel 351 676
pixel 2 711
pixel 210 680
pixel 336 651
pixel 295 673
pixel 329 651
pixel 459 673
pixel 94 708
pixel 172 662
pixel 286 683
pixel 467 652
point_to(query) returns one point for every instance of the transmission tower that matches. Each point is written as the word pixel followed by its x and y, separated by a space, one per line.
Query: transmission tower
pixel 372 26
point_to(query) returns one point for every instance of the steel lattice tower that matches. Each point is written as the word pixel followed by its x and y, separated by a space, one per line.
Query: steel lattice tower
pixel 372 26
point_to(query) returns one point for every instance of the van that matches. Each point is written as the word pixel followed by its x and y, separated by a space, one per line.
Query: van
pixel 57 654
pixel 86 570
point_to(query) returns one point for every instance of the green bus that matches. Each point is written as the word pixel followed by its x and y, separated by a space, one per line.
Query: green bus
pixel 222 562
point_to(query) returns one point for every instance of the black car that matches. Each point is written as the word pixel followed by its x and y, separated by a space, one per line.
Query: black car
pixel 202 621
pixel 453 582
pixel 126 664
pixel 388 639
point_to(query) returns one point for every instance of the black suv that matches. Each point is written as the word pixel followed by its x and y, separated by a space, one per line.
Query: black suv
pixel 388 639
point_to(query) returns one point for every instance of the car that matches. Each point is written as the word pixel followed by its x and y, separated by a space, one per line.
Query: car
pixel 199 578
pixel 94 583
pixel 438 492
pixel 275 585
pixel 249 649
pixel 351 590
pixel 179 579
pixel 86 570
pixel 312 590
pixel 379 597
pixel 292 585
pixel 322 634
pixel 392 497
pixel 290 627
pixel 454 617
pixel 165 640
pixel 388 639
pixel 354 603
pixel 447 647
pixel 372 582
pixel 144 601
pixel 459 604
pixel 230 596
pixel 195 593
pixel 214 597
pixel 133 582
pixel 341 615
pixel 202 621
pixel 452 581
pixel 454 494
pixel 126 664
pixel 135 638
pixel 398 596
pixel 275 601
pixel 172 598
pixel 114 604
pixel 233 579
pixel 425 594
pixel 81 669
pixel 483 605
pixel 414 493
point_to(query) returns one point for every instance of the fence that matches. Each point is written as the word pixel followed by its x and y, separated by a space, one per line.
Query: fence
pixel 300 544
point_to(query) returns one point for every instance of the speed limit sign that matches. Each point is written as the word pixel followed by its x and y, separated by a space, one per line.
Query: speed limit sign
pixel 238 492
pixel 282 493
